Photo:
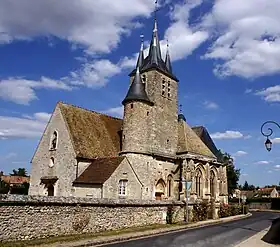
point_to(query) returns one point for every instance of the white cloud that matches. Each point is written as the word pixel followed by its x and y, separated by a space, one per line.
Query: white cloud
pixel 269 171
pixel 9 156
pixel 96 25
pixel 94 74
pixel 115 111
pixel 248 90
pixel 229 134
pixel 244 175
pixel 263 162
pixel 270 94
pixel 275 140
pixel 22 91
pixel 210 105
pixel 240 153
pixel 248 43
pixel 25 127
pixel 277 166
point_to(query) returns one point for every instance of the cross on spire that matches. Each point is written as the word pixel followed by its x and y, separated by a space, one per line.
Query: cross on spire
pixel 156 8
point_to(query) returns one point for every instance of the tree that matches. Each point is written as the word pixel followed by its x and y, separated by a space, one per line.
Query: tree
pixel 251 187
pixel 4 187
pixel 233 174
pixel 246 186
pixel 19 172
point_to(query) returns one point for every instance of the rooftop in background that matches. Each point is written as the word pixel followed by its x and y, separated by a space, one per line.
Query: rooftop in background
pixel 15 179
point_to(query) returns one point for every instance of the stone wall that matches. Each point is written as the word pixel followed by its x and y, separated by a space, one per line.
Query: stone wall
pixel 260 205
pixel 29 217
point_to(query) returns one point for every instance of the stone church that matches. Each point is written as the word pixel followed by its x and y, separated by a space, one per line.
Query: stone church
pixel 149 154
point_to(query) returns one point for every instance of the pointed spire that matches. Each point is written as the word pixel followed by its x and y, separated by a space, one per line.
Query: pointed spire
pixel 155 37
pixel 137 90
pixel 141 53
pixel 167 60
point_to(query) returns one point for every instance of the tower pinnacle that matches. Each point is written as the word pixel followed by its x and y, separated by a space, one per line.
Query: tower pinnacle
pixel 141 53
pixel 167 60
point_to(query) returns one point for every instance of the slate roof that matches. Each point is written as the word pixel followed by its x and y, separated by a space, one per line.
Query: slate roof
pixel 93 134
pixel 204 135
pixel 189 141
pixel 99 170
pixel 137 91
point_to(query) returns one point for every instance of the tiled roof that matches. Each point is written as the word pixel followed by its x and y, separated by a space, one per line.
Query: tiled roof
pixel 96 135
pixel 188 141
pixel 15 179
pixel 203 134
pixel 93 134
pixel 99 170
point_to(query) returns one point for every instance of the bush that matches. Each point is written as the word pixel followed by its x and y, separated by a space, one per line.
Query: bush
pixel 232 210
pixel 261 199
pixel 201 211
pixel 169 215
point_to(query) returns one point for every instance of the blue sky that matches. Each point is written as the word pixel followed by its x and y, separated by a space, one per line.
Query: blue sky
pixel 226 54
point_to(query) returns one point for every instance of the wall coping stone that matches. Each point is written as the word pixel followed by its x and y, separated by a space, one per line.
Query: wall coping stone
pixel 15 200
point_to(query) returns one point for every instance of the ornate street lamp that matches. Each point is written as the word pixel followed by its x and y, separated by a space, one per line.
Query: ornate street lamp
pixel 268 143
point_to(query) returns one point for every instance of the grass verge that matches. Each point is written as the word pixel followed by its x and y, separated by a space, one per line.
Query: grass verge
pixel 85 236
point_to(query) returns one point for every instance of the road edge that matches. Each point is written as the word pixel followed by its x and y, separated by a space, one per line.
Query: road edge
pixel 152 233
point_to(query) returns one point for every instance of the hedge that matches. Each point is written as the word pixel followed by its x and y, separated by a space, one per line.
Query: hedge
pixel 231 210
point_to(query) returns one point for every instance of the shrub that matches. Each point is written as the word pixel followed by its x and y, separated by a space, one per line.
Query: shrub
pixel 201 211
pixel 231 210
pixel 169 215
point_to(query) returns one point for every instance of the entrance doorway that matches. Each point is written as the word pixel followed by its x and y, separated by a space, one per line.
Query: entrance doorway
pixel 50 190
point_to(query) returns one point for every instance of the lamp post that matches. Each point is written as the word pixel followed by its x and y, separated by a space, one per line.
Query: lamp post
pixel 268 143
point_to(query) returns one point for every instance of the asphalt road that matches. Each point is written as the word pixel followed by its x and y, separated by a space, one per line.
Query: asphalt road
pixel 226 234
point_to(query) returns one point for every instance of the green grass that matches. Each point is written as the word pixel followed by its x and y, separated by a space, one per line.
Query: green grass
pixel 77 237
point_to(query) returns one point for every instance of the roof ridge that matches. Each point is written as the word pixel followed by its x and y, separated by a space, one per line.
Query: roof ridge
pixel 92 111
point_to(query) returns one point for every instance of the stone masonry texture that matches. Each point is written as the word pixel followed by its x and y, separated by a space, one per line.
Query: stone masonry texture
pixel 30 217
pixel 64 159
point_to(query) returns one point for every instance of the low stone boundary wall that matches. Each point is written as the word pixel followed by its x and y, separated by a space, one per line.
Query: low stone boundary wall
pixel 260 205
pixel 29 217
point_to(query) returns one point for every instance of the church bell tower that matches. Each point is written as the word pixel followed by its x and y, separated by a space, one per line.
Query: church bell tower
pixel 150 124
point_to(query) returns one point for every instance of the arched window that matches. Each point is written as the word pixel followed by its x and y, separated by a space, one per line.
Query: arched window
pixel 122 187
pixel 198 182
pixel 163 87
pixel 212 184
pixel 51 164
pixel 160 189
pixel 169 186
pixel 54 141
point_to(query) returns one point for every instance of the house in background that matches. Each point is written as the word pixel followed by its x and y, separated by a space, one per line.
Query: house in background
pixel 266 192
pixel 16 184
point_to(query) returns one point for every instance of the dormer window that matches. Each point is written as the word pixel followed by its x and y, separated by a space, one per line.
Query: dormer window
pixel 54 139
